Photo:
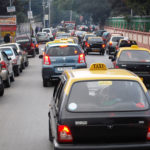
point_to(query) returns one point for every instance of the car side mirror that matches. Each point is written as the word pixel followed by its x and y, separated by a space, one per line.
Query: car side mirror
pixel 41 56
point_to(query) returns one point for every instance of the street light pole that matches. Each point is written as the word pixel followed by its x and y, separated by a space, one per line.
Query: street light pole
pixel 43 4
pixel 49 13
pixel 10 3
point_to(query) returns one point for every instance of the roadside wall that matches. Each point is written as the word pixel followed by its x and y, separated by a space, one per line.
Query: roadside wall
pixel 142 38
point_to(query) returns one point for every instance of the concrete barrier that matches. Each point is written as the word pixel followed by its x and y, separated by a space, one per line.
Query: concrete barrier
pixel 142 38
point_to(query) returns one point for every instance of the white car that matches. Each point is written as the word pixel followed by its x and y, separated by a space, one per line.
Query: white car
pixel 49 32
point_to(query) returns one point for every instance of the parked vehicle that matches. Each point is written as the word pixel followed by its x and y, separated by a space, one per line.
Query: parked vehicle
pixel 7 73
pixel 22 54
pixel 14 56
pixel 1 83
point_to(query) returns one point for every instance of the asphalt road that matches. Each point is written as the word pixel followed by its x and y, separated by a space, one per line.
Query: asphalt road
pixel 24 108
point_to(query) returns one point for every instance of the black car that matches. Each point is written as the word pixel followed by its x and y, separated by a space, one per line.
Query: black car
pixel 134 59
pixel 95 44
pixel 100 110
pixel 100 32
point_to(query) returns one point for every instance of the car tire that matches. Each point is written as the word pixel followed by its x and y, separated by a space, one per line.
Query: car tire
pixel 47 83
pixel 23 66
pixel 12 78
pixel 7 82
pixel 50 132
pixel 2 89
pixel 26 63
pixel 34 54
pixel 17 73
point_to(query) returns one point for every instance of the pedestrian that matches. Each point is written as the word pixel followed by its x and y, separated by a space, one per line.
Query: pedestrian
pixel 7 38
pixel 36 29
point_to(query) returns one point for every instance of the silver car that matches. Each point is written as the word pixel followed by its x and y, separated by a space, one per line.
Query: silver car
pixel 7 73
pixel 23 55
pixel 15 57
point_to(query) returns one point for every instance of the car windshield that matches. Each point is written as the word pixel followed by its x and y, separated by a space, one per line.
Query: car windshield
pixel 22 39
pixel 95 40
pixel 63 51
pixel 135 56
pixel 8 51
pixel 117 39
pixel 46 30
pixel 99 96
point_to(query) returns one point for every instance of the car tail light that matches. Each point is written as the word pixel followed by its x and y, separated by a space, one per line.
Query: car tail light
pixel 14 61
pixel 86 43
pixel 148 134
pixel 32 45
pixel 110 43
pixel 64 134
pixel 46 60
pixel 81 58
pixel 4 66
pixel 37 45
pixel 103 46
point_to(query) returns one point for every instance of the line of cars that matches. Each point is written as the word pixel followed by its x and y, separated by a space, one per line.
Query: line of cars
pixel 97 108
pixel 13 60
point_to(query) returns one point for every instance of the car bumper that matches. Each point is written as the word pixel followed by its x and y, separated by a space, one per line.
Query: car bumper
pixel 51 72
pixel 127 146
pixel 4 74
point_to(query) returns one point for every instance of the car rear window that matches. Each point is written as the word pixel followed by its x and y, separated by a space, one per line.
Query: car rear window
pixel 63 50
pixel 103 96
pixel 8 51
pixel 95 40
pixel 129 43
pixel 41 34
pixel 117 39
pixel 135 56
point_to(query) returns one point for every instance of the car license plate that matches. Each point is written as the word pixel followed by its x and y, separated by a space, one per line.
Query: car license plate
pixel 63 68
pixel 95 50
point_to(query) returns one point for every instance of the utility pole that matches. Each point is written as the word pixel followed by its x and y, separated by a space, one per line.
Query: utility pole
pixel 49 13
pixel 70 15
pixel 43 4
pixel 10 3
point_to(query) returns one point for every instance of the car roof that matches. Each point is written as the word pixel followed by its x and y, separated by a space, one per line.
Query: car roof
pixel 77 75
pixel 9 44
pixel 6 47
pixel 134 47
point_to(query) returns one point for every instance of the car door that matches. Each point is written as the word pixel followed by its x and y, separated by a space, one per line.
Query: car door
pixel 55 106
pixel 8 62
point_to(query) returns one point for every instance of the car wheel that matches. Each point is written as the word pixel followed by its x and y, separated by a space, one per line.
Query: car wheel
pixel 7 82
pixel 47 83
pixel 50 132
pixel 34 54
pixel 12 78
pixel 2 89
pixel 23 66
pixel 17 73
pixel 26 63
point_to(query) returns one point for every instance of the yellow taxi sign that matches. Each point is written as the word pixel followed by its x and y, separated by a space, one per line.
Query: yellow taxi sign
pixel 97 67
pixel 134 46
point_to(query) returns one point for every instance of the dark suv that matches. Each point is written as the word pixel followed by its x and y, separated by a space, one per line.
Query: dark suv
pixel 27 44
